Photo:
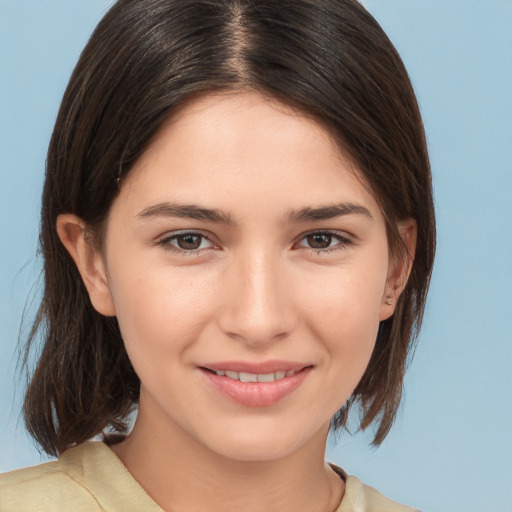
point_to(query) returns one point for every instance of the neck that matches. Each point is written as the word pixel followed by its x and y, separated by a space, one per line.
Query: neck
pixel 180 474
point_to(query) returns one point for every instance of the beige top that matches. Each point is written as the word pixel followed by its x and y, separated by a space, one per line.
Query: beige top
pixel 90 478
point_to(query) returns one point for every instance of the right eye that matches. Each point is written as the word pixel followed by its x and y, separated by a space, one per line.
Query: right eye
pixel 189 242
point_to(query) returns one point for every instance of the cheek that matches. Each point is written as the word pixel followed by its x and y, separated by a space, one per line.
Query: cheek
pixel 159 311
pixel 344 314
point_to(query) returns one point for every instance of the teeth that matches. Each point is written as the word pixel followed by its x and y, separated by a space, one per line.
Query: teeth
pixel 255 377
pixel 267 377
pixel 247 377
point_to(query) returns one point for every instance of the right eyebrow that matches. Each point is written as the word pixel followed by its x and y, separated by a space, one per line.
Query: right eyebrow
pixel 186 211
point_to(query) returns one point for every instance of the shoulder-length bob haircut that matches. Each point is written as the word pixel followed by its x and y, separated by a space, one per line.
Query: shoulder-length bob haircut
pixel 329 60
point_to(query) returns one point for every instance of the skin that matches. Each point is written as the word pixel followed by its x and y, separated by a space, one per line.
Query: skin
pixel 254 291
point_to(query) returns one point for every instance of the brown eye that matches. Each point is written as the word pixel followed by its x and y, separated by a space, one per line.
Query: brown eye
pixel 324 242
pixel 319 240
pixel 186 243
pixel 189 242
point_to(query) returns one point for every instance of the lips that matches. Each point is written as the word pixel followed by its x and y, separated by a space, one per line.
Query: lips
pixel 256 377
pixel 255 385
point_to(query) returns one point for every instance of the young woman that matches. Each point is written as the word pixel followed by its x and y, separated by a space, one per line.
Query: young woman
pixel 238 234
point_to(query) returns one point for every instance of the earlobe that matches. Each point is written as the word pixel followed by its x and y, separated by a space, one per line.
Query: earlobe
pixel 400 267
pixel 72 232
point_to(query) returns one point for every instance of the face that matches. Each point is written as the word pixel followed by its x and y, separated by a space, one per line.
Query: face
pixel 248 268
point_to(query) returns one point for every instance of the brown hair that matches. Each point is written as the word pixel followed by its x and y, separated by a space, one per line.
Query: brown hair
pixel 328 59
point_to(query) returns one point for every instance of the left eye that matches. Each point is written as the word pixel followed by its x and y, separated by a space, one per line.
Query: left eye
pixel 319 241
pixel 322 241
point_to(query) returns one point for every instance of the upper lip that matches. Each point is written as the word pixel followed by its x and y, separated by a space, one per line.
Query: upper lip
pixel 263 367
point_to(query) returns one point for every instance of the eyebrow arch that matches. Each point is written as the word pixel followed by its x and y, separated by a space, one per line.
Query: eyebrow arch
pixel 309 213
pixel 186 211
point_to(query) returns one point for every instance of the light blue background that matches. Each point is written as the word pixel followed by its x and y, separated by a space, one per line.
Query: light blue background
pixel 451 448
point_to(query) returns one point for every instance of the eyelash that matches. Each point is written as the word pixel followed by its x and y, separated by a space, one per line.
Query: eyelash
pixel 344 242
pixel 166 243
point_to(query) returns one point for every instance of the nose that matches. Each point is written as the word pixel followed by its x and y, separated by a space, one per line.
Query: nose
pixel 257 306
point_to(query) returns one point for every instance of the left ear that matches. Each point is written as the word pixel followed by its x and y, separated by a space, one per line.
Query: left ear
pixel 400 267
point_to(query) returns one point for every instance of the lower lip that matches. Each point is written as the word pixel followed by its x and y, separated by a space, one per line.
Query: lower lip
pixel 256 394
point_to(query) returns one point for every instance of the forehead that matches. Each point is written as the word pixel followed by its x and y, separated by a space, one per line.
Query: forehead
pixel 241 149
pixel 243 121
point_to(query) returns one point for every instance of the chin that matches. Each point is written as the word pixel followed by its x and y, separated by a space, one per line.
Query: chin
pixel 262 443
pixel 262 451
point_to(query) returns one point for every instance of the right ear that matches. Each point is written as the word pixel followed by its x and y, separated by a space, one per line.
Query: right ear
pixel 72 231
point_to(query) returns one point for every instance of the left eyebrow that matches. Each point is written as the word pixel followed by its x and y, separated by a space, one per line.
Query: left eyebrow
pixel 327 212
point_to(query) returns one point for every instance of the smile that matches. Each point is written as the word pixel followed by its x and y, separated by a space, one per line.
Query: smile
pixel 264 386
pixel 255 377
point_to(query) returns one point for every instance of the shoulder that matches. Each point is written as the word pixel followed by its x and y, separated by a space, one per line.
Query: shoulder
pixel 360 497
pixel 43 487
pixel 87 478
